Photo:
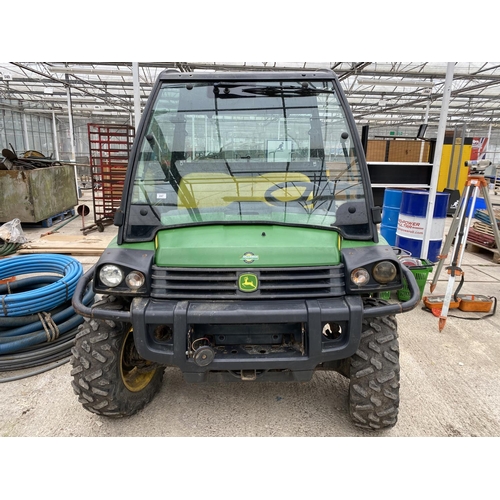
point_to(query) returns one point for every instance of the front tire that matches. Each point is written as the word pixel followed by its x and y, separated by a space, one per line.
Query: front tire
pixel 374 376
pixel 109 376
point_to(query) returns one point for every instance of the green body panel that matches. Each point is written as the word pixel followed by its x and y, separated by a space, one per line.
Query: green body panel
pixel 225 246
pixel 246 246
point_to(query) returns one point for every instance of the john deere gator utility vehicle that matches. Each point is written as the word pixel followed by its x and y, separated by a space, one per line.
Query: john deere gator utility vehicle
pixel 247 249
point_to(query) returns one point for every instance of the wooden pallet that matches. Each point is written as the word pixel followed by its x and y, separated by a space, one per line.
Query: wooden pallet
pixel 49 221
pixel 483 228
pixel 481 236
pixel 484 217
pixel 477 248
pixel 69 244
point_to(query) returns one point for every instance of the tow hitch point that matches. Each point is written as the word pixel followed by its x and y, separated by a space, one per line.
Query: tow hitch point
pixel 248 374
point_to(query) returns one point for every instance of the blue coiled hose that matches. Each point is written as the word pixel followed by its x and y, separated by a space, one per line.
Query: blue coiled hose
pixel 39 299
pixel 37 321
pixel 17 339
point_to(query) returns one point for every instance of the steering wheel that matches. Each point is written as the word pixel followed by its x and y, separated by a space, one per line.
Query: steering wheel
pixel 283 186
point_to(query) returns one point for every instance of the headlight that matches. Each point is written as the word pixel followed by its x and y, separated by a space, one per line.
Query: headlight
pixel 360 276
pixel 135 280
pixel 385 272
pixel 111 275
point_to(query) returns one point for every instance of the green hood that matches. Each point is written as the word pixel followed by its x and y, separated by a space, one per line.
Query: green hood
pixel 246 246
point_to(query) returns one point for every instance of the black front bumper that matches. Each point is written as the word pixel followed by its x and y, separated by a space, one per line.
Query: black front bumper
pixel 290 362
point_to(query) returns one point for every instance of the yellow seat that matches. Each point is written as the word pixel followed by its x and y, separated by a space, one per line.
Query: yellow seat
pixel 201 190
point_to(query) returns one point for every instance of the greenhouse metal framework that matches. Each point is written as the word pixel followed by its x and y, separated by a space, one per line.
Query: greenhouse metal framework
pixel 45 104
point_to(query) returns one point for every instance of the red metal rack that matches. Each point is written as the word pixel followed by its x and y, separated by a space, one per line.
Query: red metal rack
pixel 110 147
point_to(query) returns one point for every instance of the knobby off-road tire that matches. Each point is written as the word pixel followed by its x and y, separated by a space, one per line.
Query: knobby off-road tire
pixel 374 375
pixel 109 376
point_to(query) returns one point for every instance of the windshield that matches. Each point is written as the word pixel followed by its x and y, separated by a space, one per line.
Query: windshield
pixel 271 152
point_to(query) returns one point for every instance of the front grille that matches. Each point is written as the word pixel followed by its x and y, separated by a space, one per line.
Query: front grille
pixel 277 283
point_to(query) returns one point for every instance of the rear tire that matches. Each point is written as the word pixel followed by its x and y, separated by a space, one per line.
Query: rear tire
pixel 374 375
pixel 109 376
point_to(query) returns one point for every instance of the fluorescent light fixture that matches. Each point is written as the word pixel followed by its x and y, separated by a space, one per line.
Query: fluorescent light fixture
pixel 74 99
pixel 37 110
pixel 105 113
pixel 90 71
pixel 393 82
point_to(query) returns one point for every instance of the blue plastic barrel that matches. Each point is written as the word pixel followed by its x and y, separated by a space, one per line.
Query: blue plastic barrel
pixel 411 223
pixel 390 214
pixel 479 205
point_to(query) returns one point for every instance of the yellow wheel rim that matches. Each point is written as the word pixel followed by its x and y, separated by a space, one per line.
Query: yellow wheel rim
pixel 135 380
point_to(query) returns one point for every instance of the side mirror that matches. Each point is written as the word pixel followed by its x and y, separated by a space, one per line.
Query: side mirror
pixel 377 215
pixel 118 218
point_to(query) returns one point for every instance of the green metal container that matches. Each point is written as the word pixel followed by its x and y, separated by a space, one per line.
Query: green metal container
pixel 36 195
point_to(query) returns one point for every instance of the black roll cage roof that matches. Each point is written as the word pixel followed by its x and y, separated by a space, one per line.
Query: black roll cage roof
pixel 172 75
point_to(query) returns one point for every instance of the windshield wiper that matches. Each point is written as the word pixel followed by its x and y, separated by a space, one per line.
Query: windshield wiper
pixel 239 90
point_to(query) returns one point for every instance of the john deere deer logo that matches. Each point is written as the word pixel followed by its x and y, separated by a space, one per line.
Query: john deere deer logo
pixel 248 282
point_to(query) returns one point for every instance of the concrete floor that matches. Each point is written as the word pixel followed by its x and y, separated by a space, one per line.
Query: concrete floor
pixel 449 379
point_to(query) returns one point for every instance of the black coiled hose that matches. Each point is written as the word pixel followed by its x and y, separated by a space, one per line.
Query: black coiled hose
pixel 39 339
pixel 47 354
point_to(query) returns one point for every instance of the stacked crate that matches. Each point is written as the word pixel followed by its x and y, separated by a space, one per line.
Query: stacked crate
pixel 481 232
pixel 110 147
